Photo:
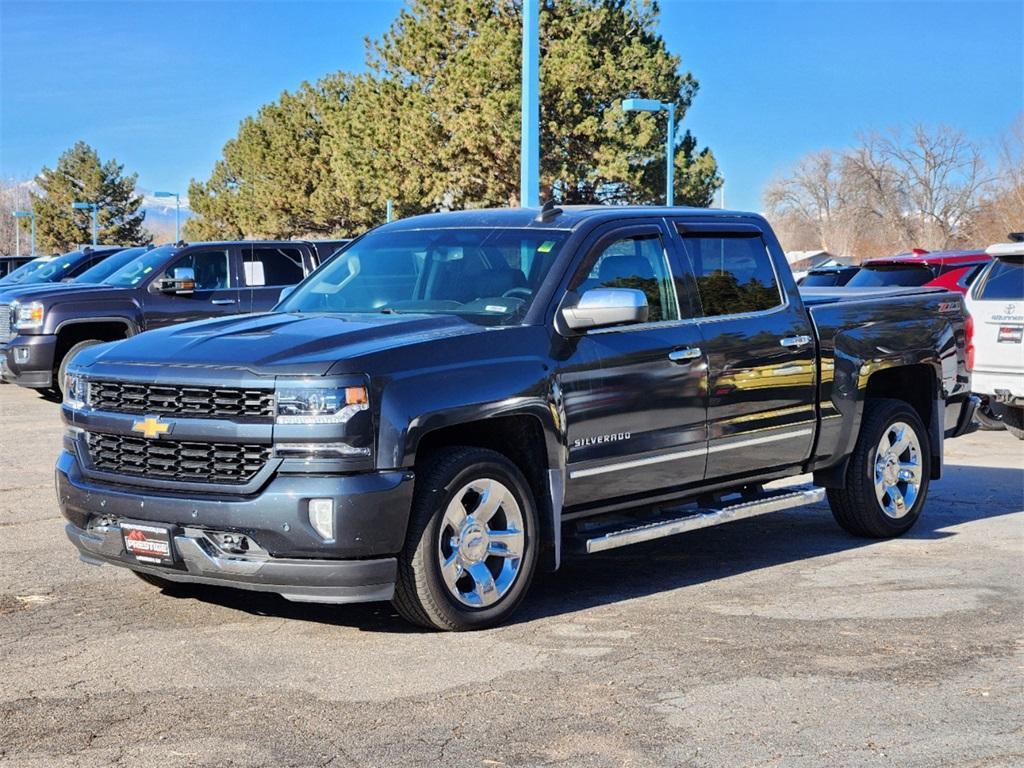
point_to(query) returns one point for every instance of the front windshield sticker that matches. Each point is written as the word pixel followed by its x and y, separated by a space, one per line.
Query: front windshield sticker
pixel 546 246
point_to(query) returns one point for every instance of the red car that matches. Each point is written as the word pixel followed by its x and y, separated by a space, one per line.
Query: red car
pixel 953 270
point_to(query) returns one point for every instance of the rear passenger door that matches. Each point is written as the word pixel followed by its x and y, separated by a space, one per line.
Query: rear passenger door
pixel 267 269
pixel 760 350
pixel 215 293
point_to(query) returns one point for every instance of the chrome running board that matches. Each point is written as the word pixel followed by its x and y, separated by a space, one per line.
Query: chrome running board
pixel 693 519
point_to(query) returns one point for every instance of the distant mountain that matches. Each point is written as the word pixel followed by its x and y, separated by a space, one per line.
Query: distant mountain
pixel 160 215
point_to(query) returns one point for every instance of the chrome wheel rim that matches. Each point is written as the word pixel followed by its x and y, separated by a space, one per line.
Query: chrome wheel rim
pixel 481 542
pixel 898 470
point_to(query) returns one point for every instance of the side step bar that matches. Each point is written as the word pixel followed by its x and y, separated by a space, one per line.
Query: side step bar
pixel 771 501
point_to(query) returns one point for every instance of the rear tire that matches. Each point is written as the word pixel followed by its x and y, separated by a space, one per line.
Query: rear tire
pixel 887 477
pixel 1014 421
pixel 988 419
pixel 472 543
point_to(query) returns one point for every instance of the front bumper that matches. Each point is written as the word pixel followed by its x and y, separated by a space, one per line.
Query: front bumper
pixel 301 580
pixel 371 514
pixel 28 361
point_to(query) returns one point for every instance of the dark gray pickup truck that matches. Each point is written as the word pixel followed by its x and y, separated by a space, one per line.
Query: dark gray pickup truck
pixel 43 326
pixel 456 399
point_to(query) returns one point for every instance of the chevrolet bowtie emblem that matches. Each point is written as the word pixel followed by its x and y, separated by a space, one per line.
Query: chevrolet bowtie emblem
pixel 151 427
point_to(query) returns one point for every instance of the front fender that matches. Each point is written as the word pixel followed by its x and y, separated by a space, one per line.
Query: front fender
pixel 68 313
pixel 419 402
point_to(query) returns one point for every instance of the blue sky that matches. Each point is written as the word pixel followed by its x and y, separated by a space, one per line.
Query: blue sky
pixel 161 86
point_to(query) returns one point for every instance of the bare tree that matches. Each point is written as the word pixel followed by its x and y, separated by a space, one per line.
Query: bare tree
pixel 822 196
pixel 1002 209
pixel 14 196
pixel 926 187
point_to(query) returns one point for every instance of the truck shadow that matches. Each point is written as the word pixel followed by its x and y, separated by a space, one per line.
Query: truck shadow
pixel 965 495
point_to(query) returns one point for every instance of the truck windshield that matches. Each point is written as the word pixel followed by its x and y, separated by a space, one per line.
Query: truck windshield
pixel 107 267
pixel 139 268
pixel 882 275
pixel 25 270
pixel 56 269
pixel 487 275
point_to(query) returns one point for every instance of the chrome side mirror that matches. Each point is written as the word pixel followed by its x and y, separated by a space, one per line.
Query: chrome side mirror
pixel 604 307
pixel 182 282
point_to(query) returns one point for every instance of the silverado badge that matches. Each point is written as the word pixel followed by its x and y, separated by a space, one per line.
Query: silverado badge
pixel 151 427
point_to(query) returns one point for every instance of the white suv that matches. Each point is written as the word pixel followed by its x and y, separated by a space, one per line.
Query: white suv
pixel 995 334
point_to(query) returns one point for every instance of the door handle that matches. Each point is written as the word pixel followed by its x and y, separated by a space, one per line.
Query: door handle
pixel 683 355
pixel 224 301
pixel 795 341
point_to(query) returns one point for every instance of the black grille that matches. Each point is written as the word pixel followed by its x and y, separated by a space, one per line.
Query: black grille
pixel 174 460
pixel 127 397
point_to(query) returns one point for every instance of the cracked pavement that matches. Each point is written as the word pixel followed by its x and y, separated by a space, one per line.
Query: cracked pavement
pixel 774 641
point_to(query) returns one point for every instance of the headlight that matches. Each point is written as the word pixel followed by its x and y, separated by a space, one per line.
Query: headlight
pixel 319 405
pixel 327 422
pixel 76 391
pixel 28 315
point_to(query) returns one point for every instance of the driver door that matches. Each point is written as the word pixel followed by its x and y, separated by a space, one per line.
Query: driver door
pixel 216 291
pixel 635 396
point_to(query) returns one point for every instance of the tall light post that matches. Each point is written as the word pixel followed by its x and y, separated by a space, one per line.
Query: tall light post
pixel 653 105
pixel 177 212
pixel 94 207
pixel 529 150
pixel 17 230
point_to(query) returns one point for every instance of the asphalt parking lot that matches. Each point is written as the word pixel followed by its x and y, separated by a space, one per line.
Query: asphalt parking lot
pixel 776 641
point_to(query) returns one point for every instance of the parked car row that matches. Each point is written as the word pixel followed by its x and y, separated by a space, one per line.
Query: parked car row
pixel 53 307
pixel 953 270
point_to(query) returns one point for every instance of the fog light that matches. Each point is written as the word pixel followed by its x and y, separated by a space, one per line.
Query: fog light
pixel 22 354
pixel 321 517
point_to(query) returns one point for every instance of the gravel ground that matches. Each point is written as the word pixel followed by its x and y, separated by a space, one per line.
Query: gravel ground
pixel 776 641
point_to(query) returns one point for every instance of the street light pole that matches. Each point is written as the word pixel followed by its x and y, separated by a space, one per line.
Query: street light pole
pixel 177 212
pixel 17 230
pixel 529 173
pixel 653 105
pixel 94 207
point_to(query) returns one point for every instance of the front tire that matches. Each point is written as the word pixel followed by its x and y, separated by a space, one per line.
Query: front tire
pixel 62 368
pixel 472 544
pixel 887 477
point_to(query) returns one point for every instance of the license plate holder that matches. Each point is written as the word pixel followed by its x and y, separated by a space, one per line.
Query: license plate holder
pixel 148 543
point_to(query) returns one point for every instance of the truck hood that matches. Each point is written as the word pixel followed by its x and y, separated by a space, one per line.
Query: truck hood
pixel 44 291
pixel 276 343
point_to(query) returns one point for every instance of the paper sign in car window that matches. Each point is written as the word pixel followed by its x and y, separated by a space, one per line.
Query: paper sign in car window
pixel 254 273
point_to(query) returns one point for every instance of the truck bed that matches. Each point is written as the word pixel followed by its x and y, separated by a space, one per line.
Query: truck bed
pixel 818 296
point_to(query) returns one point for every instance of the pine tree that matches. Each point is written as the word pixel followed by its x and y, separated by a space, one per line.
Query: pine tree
pixel 434 124
pixel 80 177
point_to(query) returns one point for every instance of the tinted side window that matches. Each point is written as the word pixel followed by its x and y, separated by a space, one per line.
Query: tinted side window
pixel 272 266
pixel 890 275
pixel 637 262
pixel 734 273
pixel 1004 281
pixel 211 268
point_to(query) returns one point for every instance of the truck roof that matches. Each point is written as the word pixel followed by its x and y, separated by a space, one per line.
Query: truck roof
pixel 570 217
